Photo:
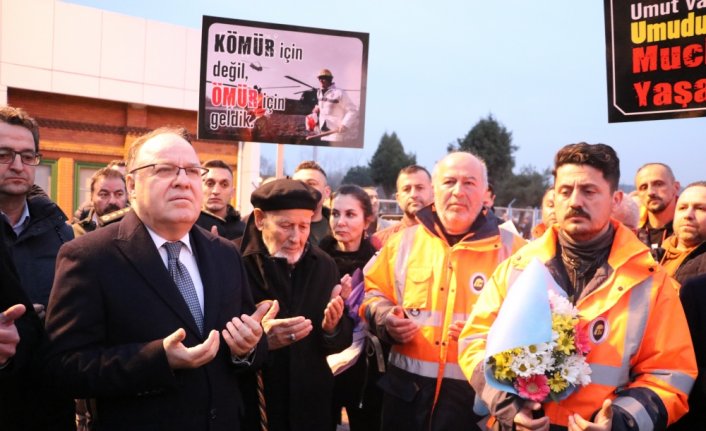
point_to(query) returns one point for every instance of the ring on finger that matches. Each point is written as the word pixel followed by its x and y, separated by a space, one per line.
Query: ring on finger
pixel 292 337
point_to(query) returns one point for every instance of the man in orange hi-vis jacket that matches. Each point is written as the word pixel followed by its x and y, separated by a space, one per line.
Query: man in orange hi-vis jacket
pixel 420 291
pixel 641 358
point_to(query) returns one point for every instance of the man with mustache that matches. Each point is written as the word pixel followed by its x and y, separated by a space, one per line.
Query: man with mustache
pixel 414 192
pixel 641 355
pixel 658 192
pixel 684 251
pixel 421 289
pixel 108 195
pixel 306 322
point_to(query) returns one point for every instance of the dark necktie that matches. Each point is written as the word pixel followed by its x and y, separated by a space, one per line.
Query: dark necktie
pixel 183 281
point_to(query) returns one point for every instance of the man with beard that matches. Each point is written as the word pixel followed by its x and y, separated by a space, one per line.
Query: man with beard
pixel 414 192
pixel 217 211
pixel 641 357
pixel 658 191
pixel 306 322
pixel 684 255
pixel 421 289
pixel 108 195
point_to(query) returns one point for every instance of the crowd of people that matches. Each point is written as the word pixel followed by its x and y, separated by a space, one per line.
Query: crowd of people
pixel 159 307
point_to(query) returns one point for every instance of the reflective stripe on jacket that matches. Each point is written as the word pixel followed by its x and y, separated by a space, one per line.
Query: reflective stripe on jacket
pixel 436 284
pixel 639 335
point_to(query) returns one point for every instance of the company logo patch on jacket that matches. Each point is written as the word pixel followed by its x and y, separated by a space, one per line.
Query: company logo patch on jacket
pixel 598 330
pixel 477 283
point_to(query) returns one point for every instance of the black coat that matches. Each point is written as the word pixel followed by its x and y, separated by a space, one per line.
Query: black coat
pixel 694 264
pixel 693 299
pixel 298 381
pixel 27 400
pixel 114 302
pixel 231 227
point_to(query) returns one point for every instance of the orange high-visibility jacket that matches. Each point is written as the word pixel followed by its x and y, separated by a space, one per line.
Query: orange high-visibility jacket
pixel 639 336
pixel 436 285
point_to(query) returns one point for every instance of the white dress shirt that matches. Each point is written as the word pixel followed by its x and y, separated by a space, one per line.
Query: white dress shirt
pixel 186 257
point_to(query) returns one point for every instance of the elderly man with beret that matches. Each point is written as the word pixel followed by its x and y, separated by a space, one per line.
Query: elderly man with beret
pixel 307 321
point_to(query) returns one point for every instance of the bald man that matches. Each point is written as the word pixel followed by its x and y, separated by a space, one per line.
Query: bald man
pixel 422 288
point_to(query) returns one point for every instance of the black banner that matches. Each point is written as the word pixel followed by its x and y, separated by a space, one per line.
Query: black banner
pixel 655 59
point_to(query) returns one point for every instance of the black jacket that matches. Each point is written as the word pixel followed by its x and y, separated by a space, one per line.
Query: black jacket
pixel 27 401
pixel 231 227
pixel 693 299
pixel 298 382
pixel 694 264
pixel 34 251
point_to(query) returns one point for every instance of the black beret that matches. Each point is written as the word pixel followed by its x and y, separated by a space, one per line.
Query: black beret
pixel 285 194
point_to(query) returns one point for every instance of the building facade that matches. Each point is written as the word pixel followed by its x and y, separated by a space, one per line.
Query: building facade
pixel 95 80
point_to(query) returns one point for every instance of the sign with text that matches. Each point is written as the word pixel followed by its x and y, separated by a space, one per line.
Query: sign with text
pixel 282 84
pixel 655 59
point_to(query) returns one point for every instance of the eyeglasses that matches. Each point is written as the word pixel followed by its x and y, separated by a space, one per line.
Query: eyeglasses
pixel 168 171
pixel 7 157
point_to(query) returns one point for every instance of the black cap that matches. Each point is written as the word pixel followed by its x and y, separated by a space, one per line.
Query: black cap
pixel 285 194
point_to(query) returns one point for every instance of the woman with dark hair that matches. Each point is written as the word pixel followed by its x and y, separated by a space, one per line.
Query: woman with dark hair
pixel 357 368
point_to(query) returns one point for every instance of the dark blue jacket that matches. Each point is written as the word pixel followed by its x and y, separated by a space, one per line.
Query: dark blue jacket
pixel 34 251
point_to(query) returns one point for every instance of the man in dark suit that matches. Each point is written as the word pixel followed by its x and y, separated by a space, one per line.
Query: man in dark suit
pixel 135 317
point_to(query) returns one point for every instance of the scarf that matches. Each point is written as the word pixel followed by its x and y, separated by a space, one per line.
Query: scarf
pixel 582 259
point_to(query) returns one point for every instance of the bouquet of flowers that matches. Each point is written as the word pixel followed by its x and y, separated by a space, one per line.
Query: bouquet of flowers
pixel 548 364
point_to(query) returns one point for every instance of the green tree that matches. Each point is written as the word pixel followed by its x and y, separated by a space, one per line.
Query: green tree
pixel 493 143
pixel 358 175
pixel 527 188
pixel 387 161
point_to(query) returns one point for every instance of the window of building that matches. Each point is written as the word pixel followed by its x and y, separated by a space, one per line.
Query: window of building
pixel 45 177
pixel 82 180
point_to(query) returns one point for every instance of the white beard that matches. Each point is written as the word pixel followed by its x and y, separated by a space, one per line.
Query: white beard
pixel 291 258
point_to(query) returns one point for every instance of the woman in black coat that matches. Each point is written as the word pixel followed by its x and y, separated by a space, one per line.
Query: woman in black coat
pixel 359 367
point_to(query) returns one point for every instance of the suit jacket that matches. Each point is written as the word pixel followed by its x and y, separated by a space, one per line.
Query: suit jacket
pixel 113 303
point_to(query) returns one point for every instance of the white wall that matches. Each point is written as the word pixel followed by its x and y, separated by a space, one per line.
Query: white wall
pixel 64 48
pixel 57 47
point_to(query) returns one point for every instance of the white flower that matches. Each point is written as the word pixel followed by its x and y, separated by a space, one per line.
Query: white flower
pixel 561 305
pixel 576 370
pixel 524 364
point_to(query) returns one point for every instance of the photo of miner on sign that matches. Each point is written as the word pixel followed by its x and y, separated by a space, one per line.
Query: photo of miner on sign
pixel 335 116
pixel 275 83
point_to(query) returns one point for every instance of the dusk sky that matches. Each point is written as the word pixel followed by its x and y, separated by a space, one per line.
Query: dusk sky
pixel 436 68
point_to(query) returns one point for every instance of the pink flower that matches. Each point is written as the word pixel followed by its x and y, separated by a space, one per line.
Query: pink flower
pixel 533 388
pixel 582 341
